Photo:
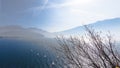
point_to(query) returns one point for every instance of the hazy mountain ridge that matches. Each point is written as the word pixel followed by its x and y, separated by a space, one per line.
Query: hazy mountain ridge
pixel 38 36
pixel 112 25
pixel 99 24
pixel 18 31
pixel 109 25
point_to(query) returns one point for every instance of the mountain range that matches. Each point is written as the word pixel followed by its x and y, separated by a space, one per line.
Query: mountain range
pixel 105 26
pixel 18 31
pixel 109 25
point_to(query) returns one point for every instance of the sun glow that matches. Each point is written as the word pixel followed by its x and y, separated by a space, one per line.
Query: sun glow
pixel 81 1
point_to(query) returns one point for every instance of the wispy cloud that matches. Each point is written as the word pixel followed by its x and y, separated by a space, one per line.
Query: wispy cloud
pixel 37 8
pixel 41 7
pixel 72 13
pixel 68 3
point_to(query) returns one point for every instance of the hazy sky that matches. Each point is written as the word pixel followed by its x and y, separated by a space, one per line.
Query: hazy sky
pixel 56 15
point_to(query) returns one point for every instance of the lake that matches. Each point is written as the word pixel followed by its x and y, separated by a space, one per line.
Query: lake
pixel 16 53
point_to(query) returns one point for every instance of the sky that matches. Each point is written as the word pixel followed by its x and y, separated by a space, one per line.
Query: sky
pixel 56 15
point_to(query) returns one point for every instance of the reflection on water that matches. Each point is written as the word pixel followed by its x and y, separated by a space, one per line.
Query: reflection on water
pixel 24 54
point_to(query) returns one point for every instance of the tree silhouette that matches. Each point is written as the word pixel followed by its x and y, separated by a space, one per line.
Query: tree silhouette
pixel 93 50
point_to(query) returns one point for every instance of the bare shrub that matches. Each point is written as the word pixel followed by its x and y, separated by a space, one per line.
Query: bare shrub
pixel 89 51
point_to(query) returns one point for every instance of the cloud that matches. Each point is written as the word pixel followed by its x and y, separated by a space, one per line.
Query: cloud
pixel 73 13
pixel 41 7
pixel 68 3
pixel 57 16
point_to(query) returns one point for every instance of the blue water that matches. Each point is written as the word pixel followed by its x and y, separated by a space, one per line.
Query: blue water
pixel 24 54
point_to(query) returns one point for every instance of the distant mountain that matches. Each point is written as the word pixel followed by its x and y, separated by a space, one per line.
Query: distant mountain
pixel 43 38
pixel 112 25
pixel 26 47
pixel 18 31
